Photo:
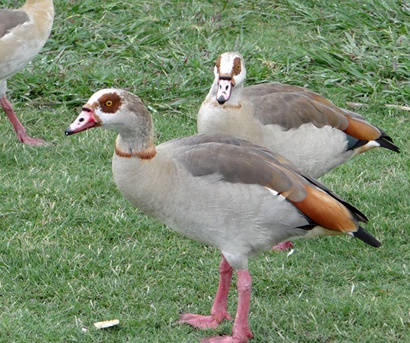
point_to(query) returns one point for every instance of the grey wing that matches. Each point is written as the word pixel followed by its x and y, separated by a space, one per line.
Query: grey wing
pixel 292 106
pixel 241 164
pixel 9 19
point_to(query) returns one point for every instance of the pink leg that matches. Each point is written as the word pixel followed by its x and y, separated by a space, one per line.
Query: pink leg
pixel 219 308
pixel 240 332
pixel 18 127
pixel 283 246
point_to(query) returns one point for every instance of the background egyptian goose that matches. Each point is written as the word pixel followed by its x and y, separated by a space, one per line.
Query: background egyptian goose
pixel 216 189
pixel 299 124
pixel 23 32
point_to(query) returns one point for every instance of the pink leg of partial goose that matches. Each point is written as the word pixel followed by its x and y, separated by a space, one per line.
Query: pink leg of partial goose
pixel 18 127
pixel 283 246
pixel 219 307
pixel 240 332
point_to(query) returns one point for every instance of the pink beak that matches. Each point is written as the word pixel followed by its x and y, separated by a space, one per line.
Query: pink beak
pixel 224 90
pixel 86 120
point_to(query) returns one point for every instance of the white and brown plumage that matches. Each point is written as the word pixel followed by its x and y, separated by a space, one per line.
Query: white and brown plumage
pixel 219 190
pixel 301 125
pixel 23 33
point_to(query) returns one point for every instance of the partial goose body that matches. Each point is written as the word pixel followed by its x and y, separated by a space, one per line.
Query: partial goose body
pixel 301 125
pixel 219 190
pixel 23 33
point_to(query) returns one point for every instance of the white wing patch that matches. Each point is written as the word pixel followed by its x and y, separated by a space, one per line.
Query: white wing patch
pixel 276 194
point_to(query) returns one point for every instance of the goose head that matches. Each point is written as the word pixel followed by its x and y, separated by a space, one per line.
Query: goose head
pixel 230 75
pixel 113 109
pixel 120 111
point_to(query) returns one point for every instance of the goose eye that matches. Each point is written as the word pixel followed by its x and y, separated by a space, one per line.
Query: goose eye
pixel 108 103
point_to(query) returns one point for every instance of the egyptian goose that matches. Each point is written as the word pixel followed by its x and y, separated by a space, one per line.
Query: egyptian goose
pixel 299 124
pixel 23 33
pixel 219 190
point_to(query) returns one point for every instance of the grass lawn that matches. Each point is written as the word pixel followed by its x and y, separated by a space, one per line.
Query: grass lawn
pixel 74 252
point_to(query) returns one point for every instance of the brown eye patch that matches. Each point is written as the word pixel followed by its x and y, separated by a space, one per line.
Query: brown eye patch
pixel 110 102
pixel 236 66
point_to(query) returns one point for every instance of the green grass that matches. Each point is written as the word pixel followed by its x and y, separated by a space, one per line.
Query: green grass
pixel 73 251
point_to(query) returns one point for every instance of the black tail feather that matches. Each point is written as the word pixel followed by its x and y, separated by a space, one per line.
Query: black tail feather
pixel 366 237
pixel 386 142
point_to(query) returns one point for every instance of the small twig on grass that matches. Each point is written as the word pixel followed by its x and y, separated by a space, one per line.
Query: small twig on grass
pixel 355 104
pixel 404 108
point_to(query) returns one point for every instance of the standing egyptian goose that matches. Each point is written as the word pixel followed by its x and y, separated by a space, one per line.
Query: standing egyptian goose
pixel 299 124
pixel 219 190
pixel 23 33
